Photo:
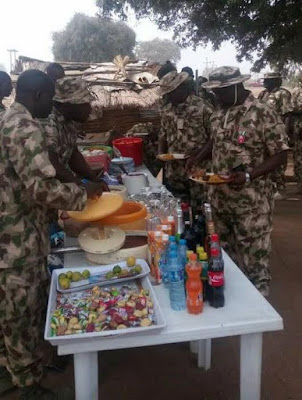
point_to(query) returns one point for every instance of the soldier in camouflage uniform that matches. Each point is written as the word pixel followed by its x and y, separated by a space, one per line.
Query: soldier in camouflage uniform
pixel 185 125
pixel 279 99
pixel 150 146
pixel 28 189
pixel 248 141
pixel 297 132
pixel 5 88
pixel 71 107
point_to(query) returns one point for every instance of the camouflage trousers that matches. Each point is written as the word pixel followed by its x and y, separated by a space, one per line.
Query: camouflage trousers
pixel 23 299
pixel 247 240
pixel 298 159
pixel 278 178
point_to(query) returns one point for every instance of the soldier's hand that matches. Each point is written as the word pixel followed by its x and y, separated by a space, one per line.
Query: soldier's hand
pixel 238 178
pixel 94 189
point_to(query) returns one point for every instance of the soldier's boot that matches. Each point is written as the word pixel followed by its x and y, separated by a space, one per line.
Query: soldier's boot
pixel 38 392
pixel 6 383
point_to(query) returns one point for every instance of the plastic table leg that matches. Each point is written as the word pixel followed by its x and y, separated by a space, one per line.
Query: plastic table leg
pixel 86 376
pixel 250 366
pixel 204 353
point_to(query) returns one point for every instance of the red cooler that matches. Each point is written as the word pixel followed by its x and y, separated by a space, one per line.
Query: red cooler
pixel 130 147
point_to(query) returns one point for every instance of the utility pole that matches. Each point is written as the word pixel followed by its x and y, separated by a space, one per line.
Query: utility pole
pixel 12 58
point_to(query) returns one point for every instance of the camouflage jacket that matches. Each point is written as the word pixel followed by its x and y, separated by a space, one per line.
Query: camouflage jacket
pixel 245 135
pixel 61 135
pixel 185 128
pixel 28 189
pixel 2 108
pixel 279 99
pixel 297 107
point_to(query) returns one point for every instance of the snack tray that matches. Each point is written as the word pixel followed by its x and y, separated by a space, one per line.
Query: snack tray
pixel 99 272
pixel 144 283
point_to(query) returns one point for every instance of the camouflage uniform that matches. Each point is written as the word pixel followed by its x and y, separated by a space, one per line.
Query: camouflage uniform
pixel 280 100
pixel 185 128
pixel 27 190
pixel 297 130
pixel 61 136
pixel 246 135
pixel 150 146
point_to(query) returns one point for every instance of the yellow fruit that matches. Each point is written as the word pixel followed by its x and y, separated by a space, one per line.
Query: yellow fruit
pixel 69 274
pixel 86 274
pixel 76 276
pixel 65 283
pixel 131 262
pixel 61 276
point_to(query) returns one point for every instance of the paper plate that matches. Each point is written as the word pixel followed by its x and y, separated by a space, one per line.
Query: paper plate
pixel 99 208
pixel 172 157
pixel 203 182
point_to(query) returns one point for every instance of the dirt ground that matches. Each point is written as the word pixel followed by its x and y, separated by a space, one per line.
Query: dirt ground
pixel 170 371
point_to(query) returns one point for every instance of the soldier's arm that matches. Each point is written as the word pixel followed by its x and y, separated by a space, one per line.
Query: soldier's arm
pixel 63 174
pixel 79 165
pixel 29 156
pixel 276 143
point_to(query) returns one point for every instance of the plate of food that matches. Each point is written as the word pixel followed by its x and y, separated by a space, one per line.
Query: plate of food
pixel 210 178
pixel 172 157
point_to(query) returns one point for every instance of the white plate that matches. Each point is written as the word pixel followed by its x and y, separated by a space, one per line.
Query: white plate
pixel 96 271
pixel 160 322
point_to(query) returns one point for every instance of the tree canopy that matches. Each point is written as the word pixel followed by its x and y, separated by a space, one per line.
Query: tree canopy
pixel 263 31
pixel 93 39
pixel 158 50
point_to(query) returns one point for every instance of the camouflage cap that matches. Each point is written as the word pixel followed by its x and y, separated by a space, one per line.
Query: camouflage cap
pixel 73 91
pixel 171 81
pixel 272 75
pixel 224 77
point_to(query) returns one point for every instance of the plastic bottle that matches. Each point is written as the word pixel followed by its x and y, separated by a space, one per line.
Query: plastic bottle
pixel 171 222
pixel 158 251
pixel 203 258
pixel 164 259
pixel 214 243
pixel 182 252
pixel 194 286
pixel 155 237
pixel 216 279
pixel 176 283
pixel 171 246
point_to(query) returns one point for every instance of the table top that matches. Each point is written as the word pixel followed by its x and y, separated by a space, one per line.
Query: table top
pixel 245 311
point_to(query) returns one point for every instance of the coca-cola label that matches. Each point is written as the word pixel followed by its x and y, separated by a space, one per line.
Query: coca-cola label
pixel 216 279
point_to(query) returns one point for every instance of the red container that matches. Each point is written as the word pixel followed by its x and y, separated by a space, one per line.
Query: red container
pixel 130 147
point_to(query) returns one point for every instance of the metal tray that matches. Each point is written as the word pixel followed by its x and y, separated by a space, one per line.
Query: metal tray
pixel 100 271
pixel 143 283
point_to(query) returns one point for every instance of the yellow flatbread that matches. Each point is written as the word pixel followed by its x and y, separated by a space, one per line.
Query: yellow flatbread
pixel 99 208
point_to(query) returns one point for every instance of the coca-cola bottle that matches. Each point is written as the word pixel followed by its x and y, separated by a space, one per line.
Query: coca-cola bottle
pixel 216 279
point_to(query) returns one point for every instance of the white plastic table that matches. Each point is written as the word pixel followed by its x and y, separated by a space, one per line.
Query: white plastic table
pixel 246 313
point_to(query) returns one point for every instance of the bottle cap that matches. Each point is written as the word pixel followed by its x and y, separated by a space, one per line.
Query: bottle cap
pixel 182 242
pixel 193 257
pixel 177 237
pixel 188 253
pixel 203 256
pixel 214 237
pixel 170 218
pixel 199 249
pixel 185 206
pixel 172 238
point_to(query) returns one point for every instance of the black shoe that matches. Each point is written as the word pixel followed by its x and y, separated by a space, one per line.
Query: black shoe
pixel 6 382
pixel 38 392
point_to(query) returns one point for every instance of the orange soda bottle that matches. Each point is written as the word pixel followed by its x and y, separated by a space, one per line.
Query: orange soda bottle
pixel 194 286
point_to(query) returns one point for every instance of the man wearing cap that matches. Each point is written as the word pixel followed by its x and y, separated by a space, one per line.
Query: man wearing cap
pixel 71 106
pixel 249 143
pixel 297 133
pixel 279 99
pixel 185 125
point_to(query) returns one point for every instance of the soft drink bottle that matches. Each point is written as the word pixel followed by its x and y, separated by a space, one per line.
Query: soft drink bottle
pixel 176 283
pixel 172 246
pixel 216 279
pixel 171 222
pixel 182 252
pixel 164 259
pixel 158 250
pixel 214 243
pixel 194 286
pixel 203 258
